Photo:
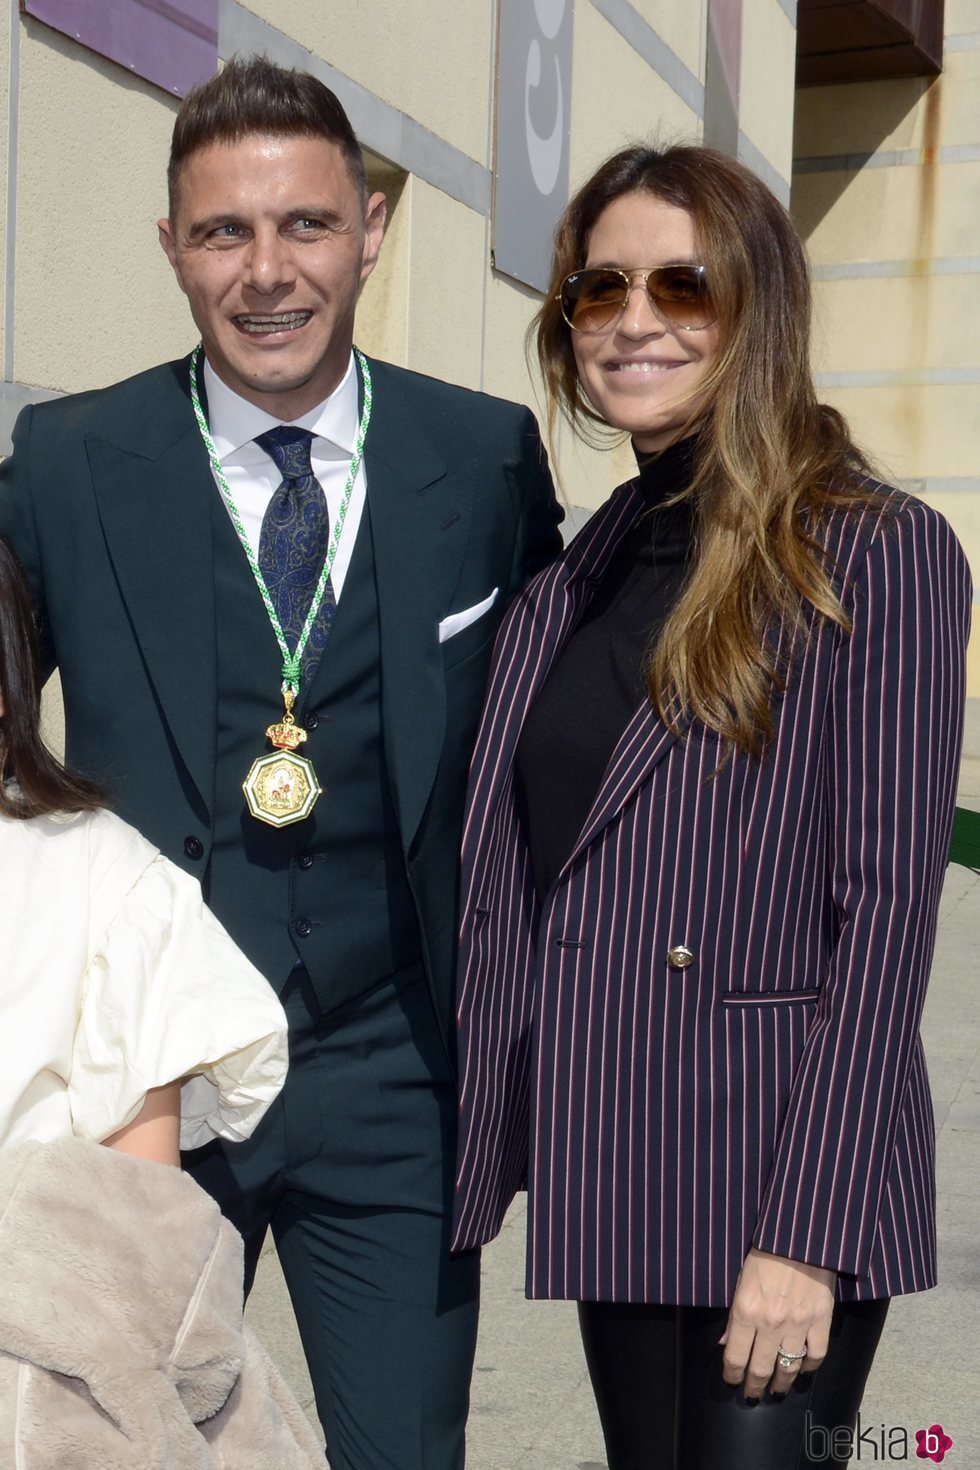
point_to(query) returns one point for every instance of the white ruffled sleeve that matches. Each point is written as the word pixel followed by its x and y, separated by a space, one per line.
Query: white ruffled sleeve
pixel 166 995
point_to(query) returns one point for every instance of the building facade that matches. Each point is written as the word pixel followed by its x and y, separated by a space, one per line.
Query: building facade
pixel 478 118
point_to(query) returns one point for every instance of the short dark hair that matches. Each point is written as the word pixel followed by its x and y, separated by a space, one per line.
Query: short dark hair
pixel 253 95
pixel 42 785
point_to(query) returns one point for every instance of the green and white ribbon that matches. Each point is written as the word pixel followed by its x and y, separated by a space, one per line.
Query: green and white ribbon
pixel 291 662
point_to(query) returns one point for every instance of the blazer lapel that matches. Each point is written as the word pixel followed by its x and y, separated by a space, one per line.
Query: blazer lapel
pixel 545 618
pixel 538 628
pixel 645 742
pixel 531 639
pixel 153 487
pixel 420 518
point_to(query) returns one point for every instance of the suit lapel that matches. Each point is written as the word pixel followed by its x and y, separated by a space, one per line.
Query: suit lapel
pixel 420 516
pixel 153 487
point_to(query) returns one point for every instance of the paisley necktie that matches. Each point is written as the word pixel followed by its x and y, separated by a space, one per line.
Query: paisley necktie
pixel 293 542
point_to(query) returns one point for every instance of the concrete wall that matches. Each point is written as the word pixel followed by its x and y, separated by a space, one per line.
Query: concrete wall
pixel 886 190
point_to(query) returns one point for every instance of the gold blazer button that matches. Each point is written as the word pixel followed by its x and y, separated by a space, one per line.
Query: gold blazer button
pixel 679 957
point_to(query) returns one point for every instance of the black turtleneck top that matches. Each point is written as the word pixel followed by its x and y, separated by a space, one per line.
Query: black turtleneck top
pixel 597 682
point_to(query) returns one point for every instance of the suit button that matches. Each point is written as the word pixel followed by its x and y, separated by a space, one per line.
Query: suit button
pixel 679 957
pixel 311 720
pixel 305 860
pixel 304 928
pixel 193 847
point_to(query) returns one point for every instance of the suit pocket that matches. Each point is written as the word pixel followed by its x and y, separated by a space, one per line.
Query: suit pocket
pixel 476 639
pixel 755 998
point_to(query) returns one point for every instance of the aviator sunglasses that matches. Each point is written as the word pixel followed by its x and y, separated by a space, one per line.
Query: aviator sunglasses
pixel 591 300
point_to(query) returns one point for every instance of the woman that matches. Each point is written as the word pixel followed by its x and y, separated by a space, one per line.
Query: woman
pixel 708 822
pixel 127 1018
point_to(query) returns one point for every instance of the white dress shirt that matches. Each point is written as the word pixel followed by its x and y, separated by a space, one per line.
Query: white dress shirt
pixel 252 475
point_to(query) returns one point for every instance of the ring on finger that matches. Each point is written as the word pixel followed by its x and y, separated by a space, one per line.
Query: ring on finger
pixel 786 1359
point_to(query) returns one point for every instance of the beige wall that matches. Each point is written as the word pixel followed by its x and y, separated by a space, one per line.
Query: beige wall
pixel 624 100
pixel 766 96
pixel 94 297
pixel 681 23
pixel 431 60
pixel 887 192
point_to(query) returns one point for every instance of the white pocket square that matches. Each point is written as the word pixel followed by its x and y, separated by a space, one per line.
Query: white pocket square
pixel 456 622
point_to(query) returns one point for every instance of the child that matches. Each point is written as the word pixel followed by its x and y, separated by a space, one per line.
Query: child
pixel 127 1018
pixel 115 980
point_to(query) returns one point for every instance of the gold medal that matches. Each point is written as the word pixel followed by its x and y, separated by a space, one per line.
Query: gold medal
pixel 282 787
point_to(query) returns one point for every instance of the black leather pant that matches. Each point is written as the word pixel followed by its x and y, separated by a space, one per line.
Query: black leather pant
pixel 656 1375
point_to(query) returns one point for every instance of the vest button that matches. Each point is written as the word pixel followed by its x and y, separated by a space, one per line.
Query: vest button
pixel 193 847
pixel 305 860
pixel 311 720
pixel 304 928
pixel 679 957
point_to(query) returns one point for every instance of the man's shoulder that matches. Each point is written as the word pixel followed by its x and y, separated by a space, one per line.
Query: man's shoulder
pixel 130 398
pixel 436 396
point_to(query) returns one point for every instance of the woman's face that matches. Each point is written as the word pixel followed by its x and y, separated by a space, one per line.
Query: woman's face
pixel 640 374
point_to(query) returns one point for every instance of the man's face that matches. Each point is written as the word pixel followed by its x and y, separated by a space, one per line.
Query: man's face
pixel 270 244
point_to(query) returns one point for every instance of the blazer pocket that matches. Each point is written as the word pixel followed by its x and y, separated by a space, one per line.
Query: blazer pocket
pixel 769 997
pixel 457 621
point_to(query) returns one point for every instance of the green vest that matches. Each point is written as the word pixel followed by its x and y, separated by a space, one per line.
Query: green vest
pixel 331 890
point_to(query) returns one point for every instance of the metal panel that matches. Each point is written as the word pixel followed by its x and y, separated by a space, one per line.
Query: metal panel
pixel 172 43
pixel 534 100
pixel 723 75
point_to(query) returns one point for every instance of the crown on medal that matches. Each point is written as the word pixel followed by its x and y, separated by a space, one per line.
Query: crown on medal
pixel 286 735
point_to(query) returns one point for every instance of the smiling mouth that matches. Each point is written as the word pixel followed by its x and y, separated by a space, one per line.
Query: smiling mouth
pixel 642 366
pixel 264 324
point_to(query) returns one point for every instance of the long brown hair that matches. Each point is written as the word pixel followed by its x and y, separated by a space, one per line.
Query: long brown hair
pixel 770 460
pixel 42 785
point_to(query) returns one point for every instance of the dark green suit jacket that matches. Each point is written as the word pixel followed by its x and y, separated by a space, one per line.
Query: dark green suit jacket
pixel 108 500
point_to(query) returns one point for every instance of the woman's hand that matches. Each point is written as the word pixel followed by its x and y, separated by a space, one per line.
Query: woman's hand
pixel 779 1306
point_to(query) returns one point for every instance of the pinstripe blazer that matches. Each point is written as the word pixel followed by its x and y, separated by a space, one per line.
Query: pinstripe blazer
pixel 774 1091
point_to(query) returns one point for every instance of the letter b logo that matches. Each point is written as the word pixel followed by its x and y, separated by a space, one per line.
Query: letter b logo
pixel 817 1440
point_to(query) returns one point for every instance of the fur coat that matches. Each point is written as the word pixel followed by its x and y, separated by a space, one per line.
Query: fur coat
pixel 122 1345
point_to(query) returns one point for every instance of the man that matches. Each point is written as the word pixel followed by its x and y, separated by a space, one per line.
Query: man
pixel 146 524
